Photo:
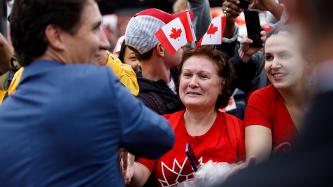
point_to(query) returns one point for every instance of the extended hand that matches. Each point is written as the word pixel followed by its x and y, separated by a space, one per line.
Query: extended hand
pixel 231 10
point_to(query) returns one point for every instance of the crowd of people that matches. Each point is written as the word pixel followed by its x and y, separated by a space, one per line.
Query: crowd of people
pixel 73 113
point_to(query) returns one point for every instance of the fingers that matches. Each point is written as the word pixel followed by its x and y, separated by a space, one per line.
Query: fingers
pixel 246 40
pixel 230 8
pixel 125 161
pixel 263 36
pixel 252 4
pixel 129 175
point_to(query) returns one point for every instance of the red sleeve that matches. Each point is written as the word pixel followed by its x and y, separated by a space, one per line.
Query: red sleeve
pixel 258 110
pixel 150 164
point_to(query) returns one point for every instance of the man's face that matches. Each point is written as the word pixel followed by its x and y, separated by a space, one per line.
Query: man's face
pixel 89 41
pixel 173 60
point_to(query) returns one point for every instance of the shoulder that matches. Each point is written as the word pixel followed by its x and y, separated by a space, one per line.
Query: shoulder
pixel 175 118
pixel 264 95
pixel 86 71
pixel 147 85
pixel 173 115
pixel 265 91
pixel 87 77
pixel 230 119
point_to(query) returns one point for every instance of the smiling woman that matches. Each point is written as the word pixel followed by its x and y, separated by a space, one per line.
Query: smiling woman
pixel 204 87
pixel 273 113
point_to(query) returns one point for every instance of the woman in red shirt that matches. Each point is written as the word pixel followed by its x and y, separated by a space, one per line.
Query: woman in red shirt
pixel 213 135
pixel 273 113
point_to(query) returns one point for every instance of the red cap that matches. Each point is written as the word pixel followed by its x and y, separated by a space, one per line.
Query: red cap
pixel 161 15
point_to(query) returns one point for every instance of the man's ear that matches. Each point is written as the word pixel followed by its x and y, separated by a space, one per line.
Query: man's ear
pixel 54 36
pixel 160 50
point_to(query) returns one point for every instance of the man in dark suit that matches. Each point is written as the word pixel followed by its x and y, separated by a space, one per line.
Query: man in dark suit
pixel 310 163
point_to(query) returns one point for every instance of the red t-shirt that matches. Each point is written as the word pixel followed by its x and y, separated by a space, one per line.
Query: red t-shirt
pixel 224 142
pixel 266 107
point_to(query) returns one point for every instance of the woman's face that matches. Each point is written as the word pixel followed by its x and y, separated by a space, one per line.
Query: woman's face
pixel 130 59
pixel 200 84
pixel 284 64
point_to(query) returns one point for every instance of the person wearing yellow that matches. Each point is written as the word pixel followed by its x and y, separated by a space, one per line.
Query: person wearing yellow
pixel 3 91
pixel 2 94
pixel 124 72
pixel 14 83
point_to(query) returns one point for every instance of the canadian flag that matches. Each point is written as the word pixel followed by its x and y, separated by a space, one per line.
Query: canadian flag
pixel 214 33
pixel 176 33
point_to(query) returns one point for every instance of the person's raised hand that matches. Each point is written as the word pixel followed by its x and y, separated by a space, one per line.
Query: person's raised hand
pixel 262 4
pixel 231 10
pixel 268 5
pixel 245 50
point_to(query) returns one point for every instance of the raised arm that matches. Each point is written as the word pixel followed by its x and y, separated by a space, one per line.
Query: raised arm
pixel 202 17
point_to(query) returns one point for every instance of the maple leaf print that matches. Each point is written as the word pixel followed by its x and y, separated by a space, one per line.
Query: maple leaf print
pixel 212 30
pixel 176 172
pixel 175 33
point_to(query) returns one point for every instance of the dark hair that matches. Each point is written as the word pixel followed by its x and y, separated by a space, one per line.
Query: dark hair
pixel 29 19
pixel 121 54
pixel 144 56
pixel 280 28
pixel 225 70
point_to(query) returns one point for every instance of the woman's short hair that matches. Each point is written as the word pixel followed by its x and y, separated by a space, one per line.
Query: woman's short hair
pixel 224 70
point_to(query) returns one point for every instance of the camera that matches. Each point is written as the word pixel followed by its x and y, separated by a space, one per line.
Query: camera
pixel 244 4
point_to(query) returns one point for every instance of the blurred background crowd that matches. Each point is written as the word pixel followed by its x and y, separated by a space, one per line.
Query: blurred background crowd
pixel 205 113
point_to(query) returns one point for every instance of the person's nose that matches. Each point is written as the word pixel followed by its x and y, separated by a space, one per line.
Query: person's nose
pixel 193 82
pixel 104 42
pixel 276 63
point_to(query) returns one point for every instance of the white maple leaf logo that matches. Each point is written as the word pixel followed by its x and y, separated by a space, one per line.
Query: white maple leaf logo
pixel 177 173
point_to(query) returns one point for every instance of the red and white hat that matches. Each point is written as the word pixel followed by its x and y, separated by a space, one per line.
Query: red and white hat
pixel 141 29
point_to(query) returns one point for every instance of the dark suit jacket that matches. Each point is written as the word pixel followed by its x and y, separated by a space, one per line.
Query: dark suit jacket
pixel 65 124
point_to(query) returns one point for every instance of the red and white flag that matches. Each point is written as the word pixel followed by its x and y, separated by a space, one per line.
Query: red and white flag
pixel 176 33
pixel 214 33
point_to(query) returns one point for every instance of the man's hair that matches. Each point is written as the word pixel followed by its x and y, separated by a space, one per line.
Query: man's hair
pixel 144 56
pixel 225 71
pixel 29 19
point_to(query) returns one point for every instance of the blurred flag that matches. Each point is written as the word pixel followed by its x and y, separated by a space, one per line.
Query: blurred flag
pixel 214 33
pixel 177 33
pixel 117 48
